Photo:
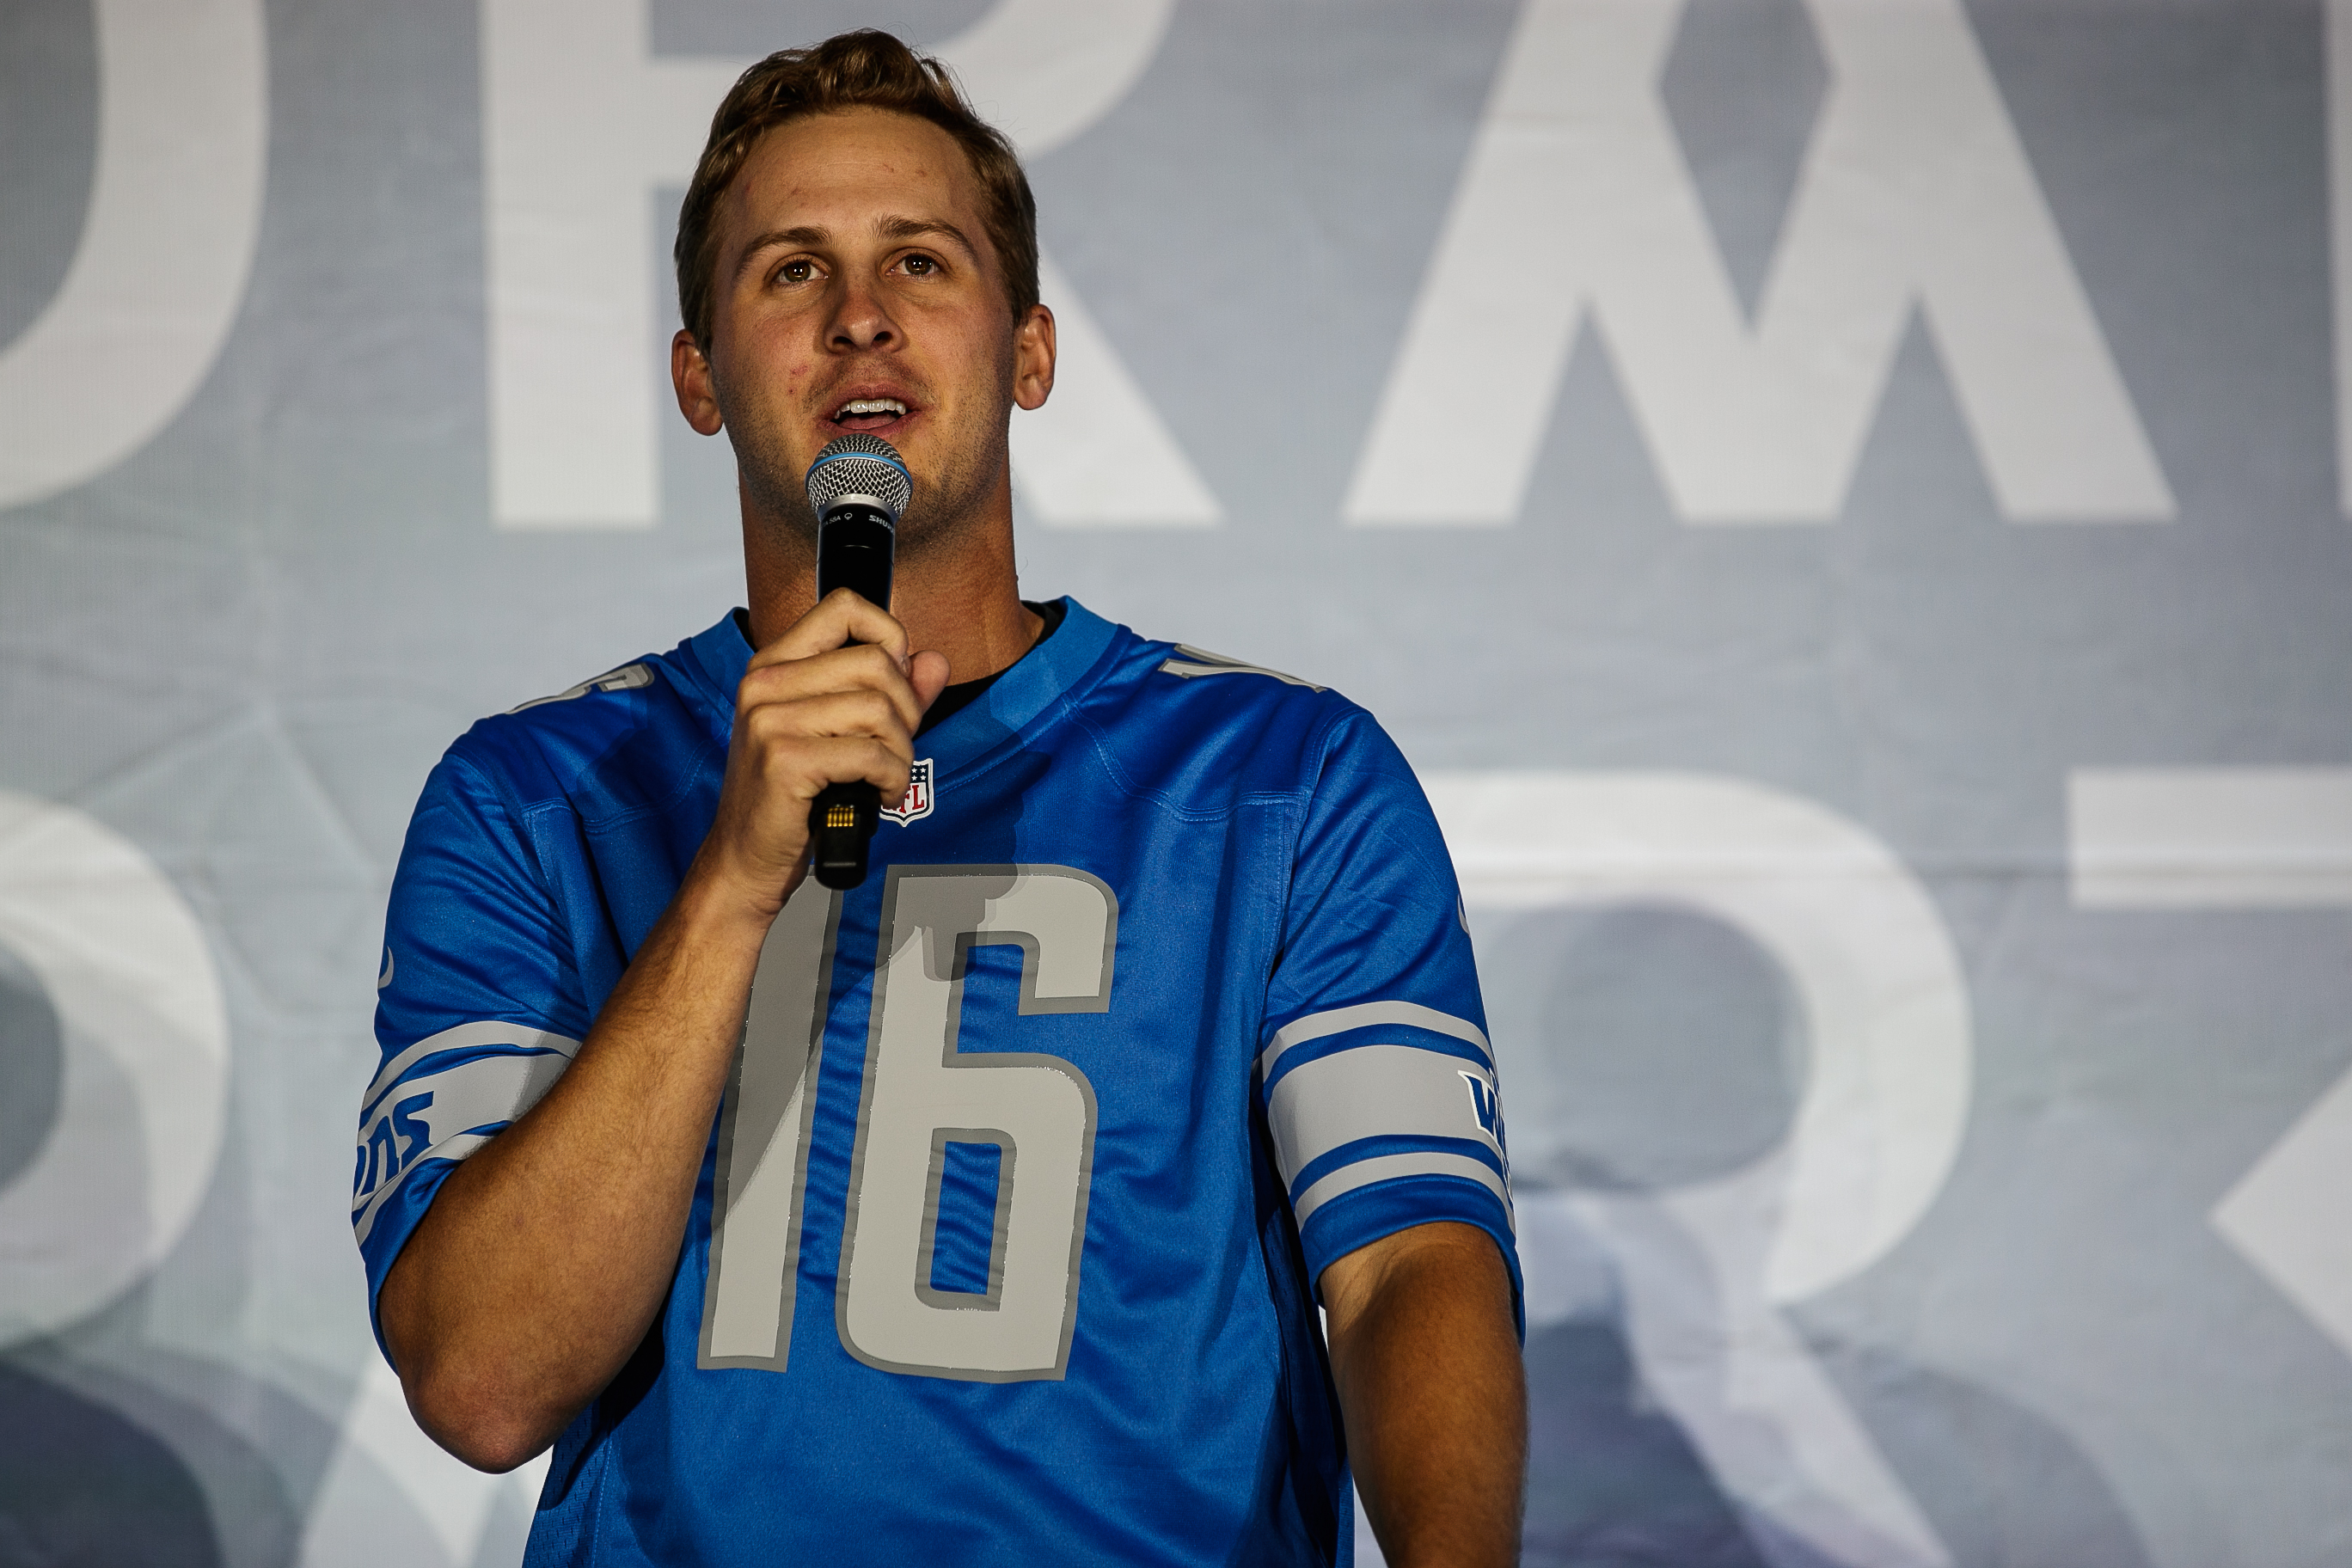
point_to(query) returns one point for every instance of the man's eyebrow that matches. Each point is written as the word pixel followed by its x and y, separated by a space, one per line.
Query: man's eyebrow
pixel 805 234
pixel 919 227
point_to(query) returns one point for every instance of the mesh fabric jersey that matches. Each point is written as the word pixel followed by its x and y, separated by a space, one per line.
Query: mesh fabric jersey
pixel 1156 1002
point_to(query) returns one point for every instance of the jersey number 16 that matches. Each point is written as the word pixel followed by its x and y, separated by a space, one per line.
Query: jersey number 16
pixel 920 1094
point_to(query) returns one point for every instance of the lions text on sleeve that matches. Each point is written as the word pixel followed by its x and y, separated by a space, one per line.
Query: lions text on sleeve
pixel 1004 1246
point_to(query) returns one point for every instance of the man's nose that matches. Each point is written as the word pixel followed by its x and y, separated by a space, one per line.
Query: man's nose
pixel 860 321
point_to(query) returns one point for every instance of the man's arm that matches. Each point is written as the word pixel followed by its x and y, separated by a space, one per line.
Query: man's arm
pixel 544 1257
pixel 1432 1393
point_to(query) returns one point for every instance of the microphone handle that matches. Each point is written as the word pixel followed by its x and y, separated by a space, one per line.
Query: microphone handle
pixel 842 820
pixel 855 546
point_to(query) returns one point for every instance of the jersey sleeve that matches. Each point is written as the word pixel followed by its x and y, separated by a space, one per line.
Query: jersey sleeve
pixel 1374 1068
pixel 479 1009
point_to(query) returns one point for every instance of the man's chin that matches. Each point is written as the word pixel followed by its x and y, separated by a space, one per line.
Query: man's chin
pixel 952 487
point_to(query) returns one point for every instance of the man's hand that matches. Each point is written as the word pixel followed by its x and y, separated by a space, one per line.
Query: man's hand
pixel 812 712
pixel 1432 1393
pixel 545 1257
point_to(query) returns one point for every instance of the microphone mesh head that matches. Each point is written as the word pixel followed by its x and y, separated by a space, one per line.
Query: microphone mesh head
pixel 859 464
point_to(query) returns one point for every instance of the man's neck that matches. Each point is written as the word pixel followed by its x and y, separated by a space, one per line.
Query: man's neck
pixel 960 598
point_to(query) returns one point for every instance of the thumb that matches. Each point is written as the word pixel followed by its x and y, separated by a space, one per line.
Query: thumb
pixel 928 673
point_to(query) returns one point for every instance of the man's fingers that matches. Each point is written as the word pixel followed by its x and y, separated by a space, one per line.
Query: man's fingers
pixel 844 669
pixel 841 616
pixel 836 700
pixel 832 715
pixel 928 674
pixel 819 761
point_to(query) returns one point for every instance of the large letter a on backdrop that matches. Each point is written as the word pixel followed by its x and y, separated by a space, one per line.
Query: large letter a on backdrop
pixel 1914 191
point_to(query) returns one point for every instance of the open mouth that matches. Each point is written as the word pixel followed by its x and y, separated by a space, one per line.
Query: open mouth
pixel 869 413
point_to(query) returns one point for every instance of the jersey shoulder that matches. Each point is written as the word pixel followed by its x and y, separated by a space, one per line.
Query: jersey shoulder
pixel 628 741
pixel 1179 721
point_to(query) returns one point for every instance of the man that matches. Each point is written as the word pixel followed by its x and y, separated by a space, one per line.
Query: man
pixel 980 1214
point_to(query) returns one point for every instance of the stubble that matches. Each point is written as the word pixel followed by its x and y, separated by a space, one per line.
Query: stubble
pixel 952 482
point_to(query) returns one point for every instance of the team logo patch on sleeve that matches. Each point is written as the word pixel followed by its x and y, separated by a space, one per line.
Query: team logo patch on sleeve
pixel 1486 1109
pixel 919 797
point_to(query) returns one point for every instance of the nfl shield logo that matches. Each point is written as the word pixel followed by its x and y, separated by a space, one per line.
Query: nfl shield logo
pixel 918 804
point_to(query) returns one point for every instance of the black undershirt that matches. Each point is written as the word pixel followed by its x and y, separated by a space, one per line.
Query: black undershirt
pixel 961 695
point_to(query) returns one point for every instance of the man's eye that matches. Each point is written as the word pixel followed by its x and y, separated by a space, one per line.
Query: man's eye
pixel 920 266
pixel 796 271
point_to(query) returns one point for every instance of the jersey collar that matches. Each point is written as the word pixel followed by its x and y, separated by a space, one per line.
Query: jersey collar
pixel 1016 697
pixel 1010 705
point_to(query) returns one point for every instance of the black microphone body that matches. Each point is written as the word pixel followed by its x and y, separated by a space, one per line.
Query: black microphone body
pixel 857 487
pixel 856 546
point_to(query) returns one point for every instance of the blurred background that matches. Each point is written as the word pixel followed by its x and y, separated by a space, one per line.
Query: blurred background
pixel 1842 500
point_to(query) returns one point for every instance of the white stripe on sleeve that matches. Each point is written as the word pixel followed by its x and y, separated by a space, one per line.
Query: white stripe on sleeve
pixel 436 1116
pixel 1364 1015
pixel 488 1032
pixel 1374 1091
pixel 1382 1167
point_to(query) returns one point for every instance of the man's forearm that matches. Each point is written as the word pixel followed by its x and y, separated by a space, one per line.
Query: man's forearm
pixel 1433 1395
pixel 544 1257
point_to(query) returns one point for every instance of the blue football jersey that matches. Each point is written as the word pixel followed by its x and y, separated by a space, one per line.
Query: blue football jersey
pixel 1158 1000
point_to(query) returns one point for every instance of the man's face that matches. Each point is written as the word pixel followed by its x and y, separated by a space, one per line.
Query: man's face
pixel 857 289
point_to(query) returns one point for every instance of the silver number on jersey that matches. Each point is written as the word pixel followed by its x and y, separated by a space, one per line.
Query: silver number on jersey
pixel 921 1092
pixel 919 1089
pixel 763 1138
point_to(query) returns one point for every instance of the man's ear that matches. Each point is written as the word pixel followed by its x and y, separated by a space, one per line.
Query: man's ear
pixel 1033 358
pixel 689 373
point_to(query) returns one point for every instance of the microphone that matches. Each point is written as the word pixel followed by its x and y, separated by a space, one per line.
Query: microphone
pixel 857 487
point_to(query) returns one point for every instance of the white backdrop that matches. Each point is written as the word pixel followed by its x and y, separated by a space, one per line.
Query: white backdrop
pixel 1844 499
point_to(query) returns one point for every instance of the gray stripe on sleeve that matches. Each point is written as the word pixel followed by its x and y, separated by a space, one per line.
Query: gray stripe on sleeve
pixel 1382 1167
pixel 484 1033
pixel 1368 1092
pixel 457 1148
pixel 472 1094
pixel 1364 1015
